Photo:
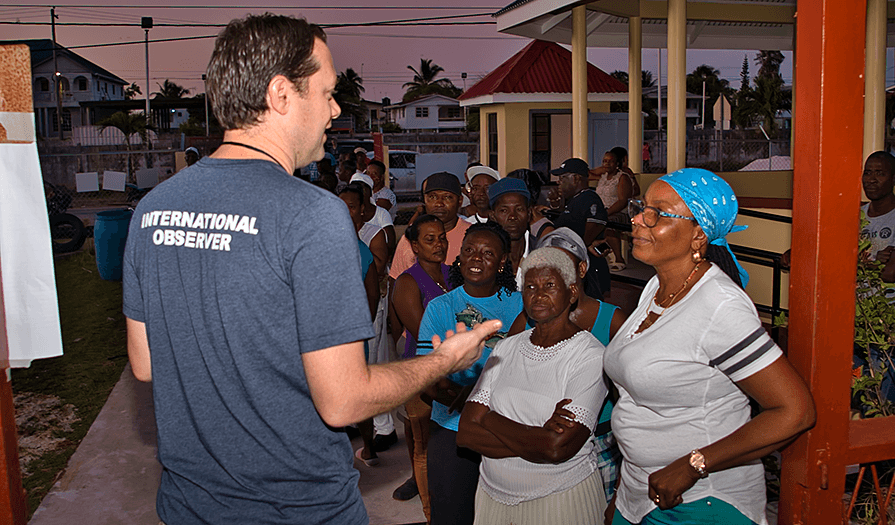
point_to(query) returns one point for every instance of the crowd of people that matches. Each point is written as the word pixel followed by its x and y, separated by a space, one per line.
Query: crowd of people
pixel 526 397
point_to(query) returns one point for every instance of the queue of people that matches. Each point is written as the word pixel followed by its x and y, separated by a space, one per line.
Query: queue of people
pixel 526 397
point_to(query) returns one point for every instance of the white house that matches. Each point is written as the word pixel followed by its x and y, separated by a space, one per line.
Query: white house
pixel 428 113
pixel 80 81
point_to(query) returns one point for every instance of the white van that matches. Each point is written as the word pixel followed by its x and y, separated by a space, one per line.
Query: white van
pixel 402 170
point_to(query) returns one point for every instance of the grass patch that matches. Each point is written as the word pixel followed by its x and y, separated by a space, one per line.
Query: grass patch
pixel 94 342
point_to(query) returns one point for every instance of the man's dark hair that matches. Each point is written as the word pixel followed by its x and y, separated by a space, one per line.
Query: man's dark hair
pixel 887 158
pixel 534 181
pixel 247 54
pixel 378 163
pixel 350 164
pixel 413 231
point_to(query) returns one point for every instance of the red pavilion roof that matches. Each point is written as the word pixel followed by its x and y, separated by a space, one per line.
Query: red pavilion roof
pixel 541 67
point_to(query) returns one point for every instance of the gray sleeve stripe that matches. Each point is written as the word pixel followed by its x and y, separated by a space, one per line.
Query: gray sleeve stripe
pixel 762 350
pixel 751 338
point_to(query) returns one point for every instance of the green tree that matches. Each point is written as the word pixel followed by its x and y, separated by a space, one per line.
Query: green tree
pixel 769 63
pixel 715 86
pixel 129 124
pixel 646 81
pixel 170 89
pixel 744 74
pixel 349 86
pixel 131 91
pixel 426 82
pixel 762 103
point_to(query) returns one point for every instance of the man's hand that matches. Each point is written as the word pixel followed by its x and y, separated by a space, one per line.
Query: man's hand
pixel 883 256
pixel 464 347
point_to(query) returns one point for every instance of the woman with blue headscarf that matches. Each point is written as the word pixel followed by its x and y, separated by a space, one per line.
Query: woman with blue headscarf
pixel 686 362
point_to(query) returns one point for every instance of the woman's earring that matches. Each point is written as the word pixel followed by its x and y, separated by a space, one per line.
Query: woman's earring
pixel 697 257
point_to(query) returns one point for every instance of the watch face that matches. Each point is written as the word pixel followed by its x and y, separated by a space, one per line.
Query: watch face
pixel 697 461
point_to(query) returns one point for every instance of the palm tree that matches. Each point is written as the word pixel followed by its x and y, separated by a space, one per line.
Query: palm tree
pixel 762 103
pixel 349 86
pixel 171 90
pixel 769 63
pixel 425 82
pixel 129 124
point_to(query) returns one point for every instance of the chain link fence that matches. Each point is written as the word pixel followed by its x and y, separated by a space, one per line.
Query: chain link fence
pixel 726 154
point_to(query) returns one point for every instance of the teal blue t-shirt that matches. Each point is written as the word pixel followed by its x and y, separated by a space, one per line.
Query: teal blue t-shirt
pixel 456 306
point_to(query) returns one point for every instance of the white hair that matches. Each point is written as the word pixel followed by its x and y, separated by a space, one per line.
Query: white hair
pixel 553 258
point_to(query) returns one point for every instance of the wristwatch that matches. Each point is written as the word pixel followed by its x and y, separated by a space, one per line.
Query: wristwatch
pixel 697 461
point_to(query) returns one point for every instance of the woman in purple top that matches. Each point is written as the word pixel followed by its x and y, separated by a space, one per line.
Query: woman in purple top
pixel 419 284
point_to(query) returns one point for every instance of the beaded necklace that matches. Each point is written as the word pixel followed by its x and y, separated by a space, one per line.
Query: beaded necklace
pixel 650 320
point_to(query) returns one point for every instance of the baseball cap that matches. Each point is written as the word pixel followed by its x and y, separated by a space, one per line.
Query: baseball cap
pixel 442 181
pixel 572 165
pixel 194 150
pixel 504 186
pixel 360 150
pixel 362 177
pixel 482 170
pixel 566 239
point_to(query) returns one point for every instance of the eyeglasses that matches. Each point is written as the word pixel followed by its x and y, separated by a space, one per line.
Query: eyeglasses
pixel 651 214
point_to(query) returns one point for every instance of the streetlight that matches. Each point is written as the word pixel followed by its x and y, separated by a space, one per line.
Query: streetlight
pixel 146 24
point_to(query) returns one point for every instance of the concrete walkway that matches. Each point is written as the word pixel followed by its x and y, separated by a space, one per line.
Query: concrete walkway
pixel 113 476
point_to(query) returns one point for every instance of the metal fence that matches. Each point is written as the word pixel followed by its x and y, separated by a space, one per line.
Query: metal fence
pixel 725 154
pixel 61 168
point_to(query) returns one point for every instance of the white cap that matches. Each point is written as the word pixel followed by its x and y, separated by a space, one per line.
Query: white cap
pixel 360 150
pixel 482 170
pixel 363 177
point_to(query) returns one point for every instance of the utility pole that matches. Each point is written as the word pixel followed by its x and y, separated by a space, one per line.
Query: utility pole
pixel 206 102
pixel 146 24
pixel 57 84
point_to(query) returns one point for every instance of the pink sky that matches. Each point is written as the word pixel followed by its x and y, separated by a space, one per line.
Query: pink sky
pixel 379 54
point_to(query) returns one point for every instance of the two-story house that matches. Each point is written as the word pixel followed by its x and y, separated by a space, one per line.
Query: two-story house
pixel 80 80
pixel 428 113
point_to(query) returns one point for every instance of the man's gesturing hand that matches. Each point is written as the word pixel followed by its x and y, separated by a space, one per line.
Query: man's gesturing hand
pixel 464 346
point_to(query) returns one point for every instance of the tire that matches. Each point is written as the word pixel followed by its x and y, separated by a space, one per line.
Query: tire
pixel 68 232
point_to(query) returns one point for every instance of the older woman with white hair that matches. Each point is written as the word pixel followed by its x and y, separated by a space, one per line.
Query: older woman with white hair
pixel 534 407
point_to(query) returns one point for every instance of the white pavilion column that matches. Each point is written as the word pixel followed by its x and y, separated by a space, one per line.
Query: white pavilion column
pixel 635 94
pixel 875 78
pixel 677 84
pixel 579 83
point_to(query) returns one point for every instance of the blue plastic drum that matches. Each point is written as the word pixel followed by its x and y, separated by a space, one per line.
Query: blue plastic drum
pixel 109 237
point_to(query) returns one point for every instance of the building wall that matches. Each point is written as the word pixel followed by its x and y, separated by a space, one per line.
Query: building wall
pixel 409 120
pixel 514 133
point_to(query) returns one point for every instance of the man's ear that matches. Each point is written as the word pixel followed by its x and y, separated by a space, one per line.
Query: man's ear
pixel 278 94
pixel 582 269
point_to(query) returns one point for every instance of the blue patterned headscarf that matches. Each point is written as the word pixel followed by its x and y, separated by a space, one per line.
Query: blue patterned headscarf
pixel 712 202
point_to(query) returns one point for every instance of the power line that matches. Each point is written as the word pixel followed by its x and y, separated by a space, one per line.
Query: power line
pixel 403 22
pixel 327 7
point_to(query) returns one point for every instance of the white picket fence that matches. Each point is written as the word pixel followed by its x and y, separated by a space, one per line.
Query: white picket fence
pixel 91 136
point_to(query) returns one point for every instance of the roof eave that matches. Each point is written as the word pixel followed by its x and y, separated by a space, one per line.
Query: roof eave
pixel 536 98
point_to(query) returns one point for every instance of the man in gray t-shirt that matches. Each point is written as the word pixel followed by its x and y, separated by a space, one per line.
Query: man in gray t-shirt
pixel 245 307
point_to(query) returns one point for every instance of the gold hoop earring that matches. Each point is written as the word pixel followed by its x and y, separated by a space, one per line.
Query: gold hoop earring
pixel 697 257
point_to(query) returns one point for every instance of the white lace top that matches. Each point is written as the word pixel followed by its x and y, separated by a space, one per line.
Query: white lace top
pixel 607 188
pixel 523 382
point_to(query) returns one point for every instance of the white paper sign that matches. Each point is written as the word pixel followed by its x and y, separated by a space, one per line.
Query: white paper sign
pixel 86 181
pixel 114 180
pixel 27 281
pixel 147 178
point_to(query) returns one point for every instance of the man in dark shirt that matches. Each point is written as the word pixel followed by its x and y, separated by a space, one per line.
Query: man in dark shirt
pixel 245 305
pixel 585 215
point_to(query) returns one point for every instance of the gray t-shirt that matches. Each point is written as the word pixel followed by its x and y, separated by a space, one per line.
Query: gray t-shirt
pixel 237 269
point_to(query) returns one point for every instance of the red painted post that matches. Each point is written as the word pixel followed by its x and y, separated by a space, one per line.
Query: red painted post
pixel 827 154
pixel 13 506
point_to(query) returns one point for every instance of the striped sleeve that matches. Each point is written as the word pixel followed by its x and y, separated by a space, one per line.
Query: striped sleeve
pixel 748 355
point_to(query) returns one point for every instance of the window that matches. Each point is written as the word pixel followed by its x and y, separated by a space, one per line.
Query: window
pixel 540 142
pixel 492 140
pixel 450 113
pixel 43 84
pixel 422 112
pixel 81 84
